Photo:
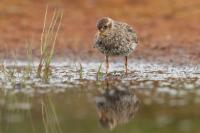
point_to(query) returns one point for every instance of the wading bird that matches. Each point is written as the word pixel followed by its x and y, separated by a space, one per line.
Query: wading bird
pixel 115 38
pixel 116 105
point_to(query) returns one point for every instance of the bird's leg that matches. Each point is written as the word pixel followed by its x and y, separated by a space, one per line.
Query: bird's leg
pixel 107 64
pixel 126 65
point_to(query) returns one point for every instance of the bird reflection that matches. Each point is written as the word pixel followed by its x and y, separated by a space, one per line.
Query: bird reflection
pixel 116 105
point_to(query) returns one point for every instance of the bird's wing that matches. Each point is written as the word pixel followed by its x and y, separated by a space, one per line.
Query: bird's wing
pixel 133 33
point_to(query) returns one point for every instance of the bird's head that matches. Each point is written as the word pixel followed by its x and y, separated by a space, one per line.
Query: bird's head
pixel 107 121
pixel 104 24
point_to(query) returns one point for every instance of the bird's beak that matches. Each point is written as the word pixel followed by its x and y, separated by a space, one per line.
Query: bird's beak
pixel 101 30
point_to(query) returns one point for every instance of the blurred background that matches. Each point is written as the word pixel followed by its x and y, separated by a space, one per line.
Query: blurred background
pixel 169 95
pixel 168 30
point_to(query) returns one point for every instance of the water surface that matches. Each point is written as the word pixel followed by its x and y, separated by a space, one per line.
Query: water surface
pixel 77 98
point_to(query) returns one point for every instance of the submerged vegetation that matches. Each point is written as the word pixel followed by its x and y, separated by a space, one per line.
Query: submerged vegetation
pixel 99 72
pixel 49 116
pixel 81 71
pixel 48 41
pixel 28 69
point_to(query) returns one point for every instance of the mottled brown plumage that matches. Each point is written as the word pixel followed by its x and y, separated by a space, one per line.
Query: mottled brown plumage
pixel 115 38
pixel 116 106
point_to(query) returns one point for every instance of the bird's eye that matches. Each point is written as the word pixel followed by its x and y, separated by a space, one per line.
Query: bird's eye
pixel 105 27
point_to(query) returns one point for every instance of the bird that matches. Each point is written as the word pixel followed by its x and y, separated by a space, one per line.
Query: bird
pixel 115 38
pixel 116 105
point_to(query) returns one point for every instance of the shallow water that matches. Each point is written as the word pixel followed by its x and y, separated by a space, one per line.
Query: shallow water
pixel 152 98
